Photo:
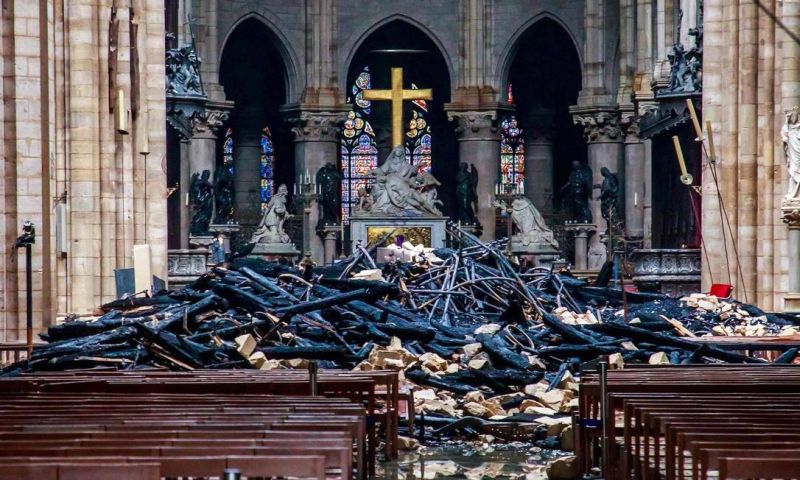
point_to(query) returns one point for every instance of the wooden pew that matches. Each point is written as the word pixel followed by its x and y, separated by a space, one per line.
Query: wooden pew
pixel 666 410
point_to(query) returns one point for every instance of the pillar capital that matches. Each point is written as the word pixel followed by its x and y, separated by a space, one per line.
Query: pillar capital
pixel 315 125
pixel 475 124
pixel 790 213
pixel 206 123
pixel 600 124
pixel 629 122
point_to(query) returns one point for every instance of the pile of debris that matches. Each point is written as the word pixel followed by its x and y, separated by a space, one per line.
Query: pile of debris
pixel 476 337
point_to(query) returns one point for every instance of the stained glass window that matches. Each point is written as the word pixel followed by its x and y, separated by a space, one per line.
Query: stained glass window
pixel 227 149
pixel 418 142
pixel 512 152
pixel 359 152
pixel 267 167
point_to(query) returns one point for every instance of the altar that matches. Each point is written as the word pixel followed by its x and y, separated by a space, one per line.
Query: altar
pixel 426 230
pixel 403 201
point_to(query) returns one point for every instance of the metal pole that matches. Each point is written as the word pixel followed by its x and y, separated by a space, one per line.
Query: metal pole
pixel 312 378
pixel 27 239
pixel 232 474
pixel 29 297
pixel 604 416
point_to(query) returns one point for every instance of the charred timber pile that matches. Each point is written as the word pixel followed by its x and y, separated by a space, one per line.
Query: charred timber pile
pixel 474 335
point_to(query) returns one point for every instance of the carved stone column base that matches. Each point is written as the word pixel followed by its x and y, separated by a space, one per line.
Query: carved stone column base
pixel 582 231
pixel 329 235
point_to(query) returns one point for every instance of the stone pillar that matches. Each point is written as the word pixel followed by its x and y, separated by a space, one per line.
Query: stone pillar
pixel 604 149
pixel 537 128
pixel 647 199
pixel 185 184
pixel 329 236
pixel 479 145
pixel 634 179
pixel 246 158
pixel 581 232
pixel 316 142
pixel 790 214
pixel 203 145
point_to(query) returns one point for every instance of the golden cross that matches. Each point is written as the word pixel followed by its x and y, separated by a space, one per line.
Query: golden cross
pixel 397 95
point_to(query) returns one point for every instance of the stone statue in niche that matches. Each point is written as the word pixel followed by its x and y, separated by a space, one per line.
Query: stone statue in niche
pixel 183 71
pixel 579 188
pixel 201 199
pixel 467 193
pixel 400 191
pixel 223 193
pixel 531 227
pixel 330 182
pixel 270 228
pixel 609 195
pixel 790 133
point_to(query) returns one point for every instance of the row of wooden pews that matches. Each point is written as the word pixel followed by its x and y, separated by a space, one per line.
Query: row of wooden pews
pixel 692 421
pixel 196 424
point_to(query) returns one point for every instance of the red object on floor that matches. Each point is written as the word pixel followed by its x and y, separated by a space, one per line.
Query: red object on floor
pixel 721 290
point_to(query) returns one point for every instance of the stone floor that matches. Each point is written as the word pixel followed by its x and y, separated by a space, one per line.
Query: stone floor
pixel 471 461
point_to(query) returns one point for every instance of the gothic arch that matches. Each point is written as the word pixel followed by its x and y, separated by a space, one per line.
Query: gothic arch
pixel 345 66
pixel 294 82
pixel 509 53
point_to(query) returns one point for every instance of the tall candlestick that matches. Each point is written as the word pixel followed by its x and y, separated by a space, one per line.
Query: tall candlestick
pixel 686 177
pixel 710 134
pixel 697 130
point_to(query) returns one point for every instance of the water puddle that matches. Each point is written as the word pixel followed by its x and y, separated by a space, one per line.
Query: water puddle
pixel 473 461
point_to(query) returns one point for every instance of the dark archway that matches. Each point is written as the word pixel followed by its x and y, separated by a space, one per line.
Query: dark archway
pixel 401 44
pixel 254 76
pixel 545 78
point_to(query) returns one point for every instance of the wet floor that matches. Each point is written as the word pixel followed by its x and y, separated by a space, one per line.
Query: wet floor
pixel 471 461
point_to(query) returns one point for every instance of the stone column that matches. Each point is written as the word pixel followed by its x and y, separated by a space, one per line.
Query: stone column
pixel 203 145
pixel 246 158
pixel 316 142
pixel 581 232
pixel 537 128
pixel 479 145
pixel 604 149
pixel 647 200
pixel 790 214
pixel 634 179
pixel 185 184
pixel 329 236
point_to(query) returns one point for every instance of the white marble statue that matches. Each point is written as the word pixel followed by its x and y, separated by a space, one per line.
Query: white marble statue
pixel 790 133
pixel 531 227
pixel 270 229
pixel 400 191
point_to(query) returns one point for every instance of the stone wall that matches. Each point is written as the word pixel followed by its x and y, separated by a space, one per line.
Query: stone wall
pixel 750 76
pixel 60 142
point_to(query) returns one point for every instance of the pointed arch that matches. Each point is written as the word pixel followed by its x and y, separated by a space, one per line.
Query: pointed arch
pixel 356 46
pixel 291 62
pixel 509 52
